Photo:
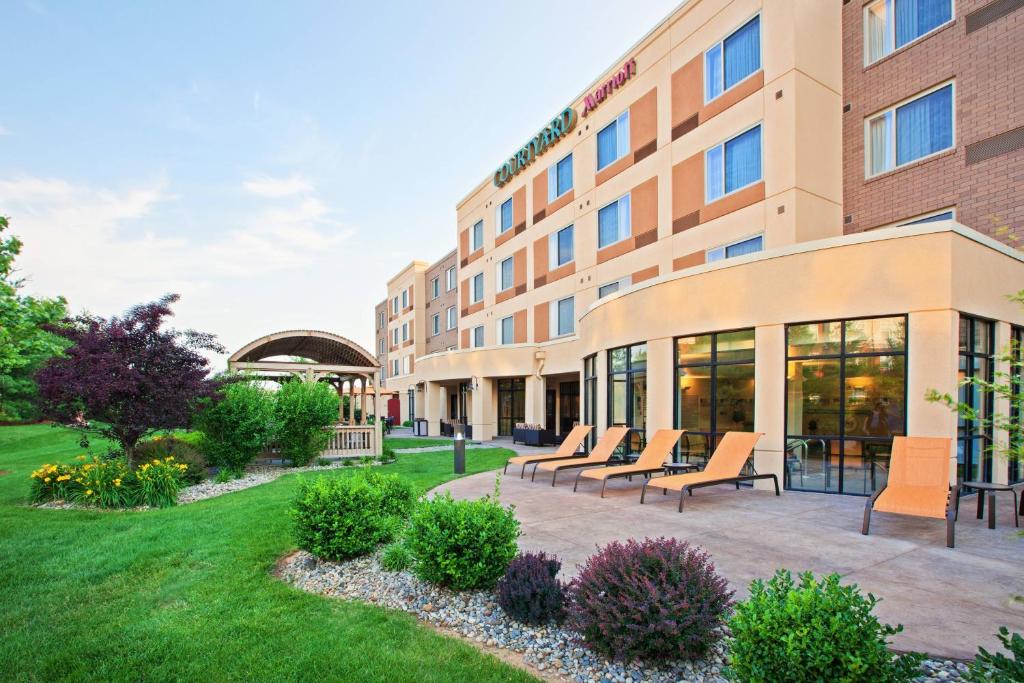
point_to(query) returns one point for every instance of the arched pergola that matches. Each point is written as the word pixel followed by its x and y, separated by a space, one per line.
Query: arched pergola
pixel 324 357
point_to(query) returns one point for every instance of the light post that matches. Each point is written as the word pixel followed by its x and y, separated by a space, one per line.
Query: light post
pixel 460 448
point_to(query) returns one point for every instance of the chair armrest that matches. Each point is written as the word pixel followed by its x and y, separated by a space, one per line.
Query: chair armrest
pixel 876 494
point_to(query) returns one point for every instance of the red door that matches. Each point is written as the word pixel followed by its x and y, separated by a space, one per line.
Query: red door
pixel 395 410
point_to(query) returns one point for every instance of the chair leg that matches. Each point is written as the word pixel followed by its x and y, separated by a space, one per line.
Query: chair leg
pixel 682 497
pixel 523 473
pixel 554 474
pixel 981 504
pixel 1016 515
pixel 643 492
pixel 533 476
pixel 577 483
pixel 505 471
pixel 867 519
pixel 950 532
pixel 776 480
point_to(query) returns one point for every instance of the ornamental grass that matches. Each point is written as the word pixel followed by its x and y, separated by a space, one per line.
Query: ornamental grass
pixel 109 483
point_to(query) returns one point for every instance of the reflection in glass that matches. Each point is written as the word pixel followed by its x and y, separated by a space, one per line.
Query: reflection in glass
pixel 876 335
pixel 875 396
pixel 618 359
pixel 813 397
pixel 814 339
pixel 734 346
pixel 693 350
pixel 694 400
pixel 734 408
pixel 637 356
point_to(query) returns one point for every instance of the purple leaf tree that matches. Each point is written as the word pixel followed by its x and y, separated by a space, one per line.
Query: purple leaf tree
pixel 128 376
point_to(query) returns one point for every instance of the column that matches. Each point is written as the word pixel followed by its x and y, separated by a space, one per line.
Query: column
pixel 432 407
pixel 377 415
pixel 340 387
pixel 484 416
pixel 362 400
pixel 1001 404
pixel 769 412
pixel 932 363
pixel 352 401
pixel 535 409
pixel 660 383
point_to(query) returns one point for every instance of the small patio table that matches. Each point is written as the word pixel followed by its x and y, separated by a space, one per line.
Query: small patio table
pixel 988 489
pixel 679 467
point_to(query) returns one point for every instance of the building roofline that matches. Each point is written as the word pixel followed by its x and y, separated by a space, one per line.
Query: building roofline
pixel 413 265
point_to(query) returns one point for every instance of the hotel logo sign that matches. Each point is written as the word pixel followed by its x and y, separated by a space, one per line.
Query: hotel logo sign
pixel 559 127
pixel 591 101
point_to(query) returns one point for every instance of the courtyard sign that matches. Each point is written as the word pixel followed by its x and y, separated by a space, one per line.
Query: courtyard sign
pixel 591 101
pixel 559 127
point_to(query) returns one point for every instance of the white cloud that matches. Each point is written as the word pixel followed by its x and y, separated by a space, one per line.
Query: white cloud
pixel 265 186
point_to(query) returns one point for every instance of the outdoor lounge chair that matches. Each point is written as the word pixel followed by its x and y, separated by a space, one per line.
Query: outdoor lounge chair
pixel 724 467
pixel 567 450
pixel 918 483
pixel 650 461
pixel 601 453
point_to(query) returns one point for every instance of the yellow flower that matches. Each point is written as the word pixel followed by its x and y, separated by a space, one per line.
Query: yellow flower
pixel 88 492
pixel 80 457
pixel 64 477
pixel 117 482
pixel 169 458
pixel 156 462
pixel 47 480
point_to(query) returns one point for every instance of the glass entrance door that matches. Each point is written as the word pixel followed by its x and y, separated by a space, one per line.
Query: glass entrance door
pixel 568 406
pixel 511 404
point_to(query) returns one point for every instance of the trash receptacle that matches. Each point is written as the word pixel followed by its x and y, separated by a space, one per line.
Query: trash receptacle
pixel 419 427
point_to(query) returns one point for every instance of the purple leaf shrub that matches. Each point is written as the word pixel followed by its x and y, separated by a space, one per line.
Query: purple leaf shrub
pixel 529 591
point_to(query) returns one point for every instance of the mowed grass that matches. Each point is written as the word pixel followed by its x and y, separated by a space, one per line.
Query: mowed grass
pixel 187 593
pixel 416 442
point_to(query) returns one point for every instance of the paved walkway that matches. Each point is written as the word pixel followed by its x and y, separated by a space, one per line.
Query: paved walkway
pixel 949 600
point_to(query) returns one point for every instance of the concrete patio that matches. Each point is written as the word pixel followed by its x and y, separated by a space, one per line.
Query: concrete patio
pixel 949 600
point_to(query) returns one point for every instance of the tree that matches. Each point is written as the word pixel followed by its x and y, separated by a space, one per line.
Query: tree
pixel 25 342
pixel 236 425
pixel 304 411
pixel 128 376
pixel 1006 384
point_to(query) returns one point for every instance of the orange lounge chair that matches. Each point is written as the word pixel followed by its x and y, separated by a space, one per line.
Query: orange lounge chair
pixel 918 483
pixel 724 467
pixel 567 450
pixel 604 450
pixel 650 461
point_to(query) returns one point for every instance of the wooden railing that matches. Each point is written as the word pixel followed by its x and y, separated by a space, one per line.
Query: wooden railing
pixel 349 440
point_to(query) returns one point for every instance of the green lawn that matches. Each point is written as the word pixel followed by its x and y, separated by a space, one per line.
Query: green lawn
pixel 415 442
pixel 186 593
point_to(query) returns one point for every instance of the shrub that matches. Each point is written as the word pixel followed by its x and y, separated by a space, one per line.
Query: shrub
pixel 656 599
pixel 998 668
pixel 237 427
pixel 812 631
pixel 304 410
pixel 344 517
pixel 109 483
pixel 529 591
pixel 157 482
pixel 387 455
pixel 396 557
pixel 462 544
pixel 183 453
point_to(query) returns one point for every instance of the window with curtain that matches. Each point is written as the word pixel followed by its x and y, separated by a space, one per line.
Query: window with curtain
pixel 506 334
pixel 910 131
pixel 505 272
pixel 560 247
pixel 478 236
pixel 452 318
pixel 478 288
pixel 613 141
pixel 733 165
pixel 435 288
pixel 435 324
pixel 478 336
pixel 614 222
pixel 561 317
pixel 504 216
pixel 559 178
pixel 891 24
pixel 733 59
pixel 405 331
pixel 747 246
pixel 450 275
pixel 405 298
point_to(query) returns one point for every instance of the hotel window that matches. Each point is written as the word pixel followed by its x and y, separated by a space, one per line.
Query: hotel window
pixel 947 215
pixel 612 287
pixel 407 365
pixel 560 248
pixel 974 436
pixel 714 388
pixel 627 393
pixel 1017 433
pixel 505 274
pixel 846 398
pixel 590 398
pixel 394 337
pixel 559 178
pixel 733 165
pixel 394 368
pixel 747 246
pixel 450 279
pixel 907 132
pixel 561 317
pixel 613 222
pixel 733 59
pixel 478 288
pixel 506 331
pixel 613 141
pixel 405 299
pixel 435 288
pixel 891 24
pixel 405 331
pixel 435 324
pixel 452 318
pixel 380 321
pixel 478 336
pixel 394 305
pixel 503 216
pixel 477 236
pixel 380 347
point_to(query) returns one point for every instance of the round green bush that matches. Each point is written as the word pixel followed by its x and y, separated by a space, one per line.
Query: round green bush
pixel 462 544
pixel 237 426
pixel 342 517
pixel 813 631
pixel 304 410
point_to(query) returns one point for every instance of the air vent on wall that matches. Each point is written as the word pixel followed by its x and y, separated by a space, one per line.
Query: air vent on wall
pixel 996 145
pixel 984 16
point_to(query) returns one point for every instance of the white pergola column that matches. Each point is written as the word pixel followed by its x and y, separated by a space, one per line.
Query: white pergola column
pixel 362 400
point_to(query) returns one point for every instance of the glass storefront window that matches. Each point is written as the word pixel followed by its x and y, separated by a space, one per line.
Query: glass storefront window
pixel 714 389
pixel 511 404
pixel 627 393
pixel 590 398
pixel 974 437
pixel 1017 432
pixel 846 391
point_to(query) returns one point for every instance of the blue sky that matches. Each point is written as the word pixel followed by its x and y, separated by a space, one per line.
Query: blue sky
pixel 272 162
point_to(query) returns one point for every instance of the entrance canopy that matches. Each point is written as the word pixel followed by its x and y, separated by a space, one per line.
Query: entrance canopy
pixel 308 352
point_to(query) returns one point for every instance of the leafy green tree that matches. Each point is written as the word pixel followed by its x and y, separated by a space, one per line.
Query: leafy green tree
pixel 25 343
pixel 304 411
pixel 236 425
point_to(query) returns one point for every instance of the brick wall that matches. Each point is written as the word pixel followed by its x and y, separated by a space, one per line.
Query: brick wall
pixel 381 333
pixel 988 67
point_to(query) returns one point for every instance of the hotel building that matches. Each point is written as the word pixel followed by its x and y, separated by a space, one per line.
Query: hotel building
pixel 794 218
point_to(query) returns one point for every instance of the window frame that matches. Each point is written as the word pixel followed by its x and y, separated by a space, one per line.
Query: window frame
pixel 553 193
pixel 622 283
pixel 473 337
pixel 452 317
pixel 405 331
pixel 890 31
pixel 553 251
pixel 472 288
pixel 500 283
pixel 721 46
pixel 724 248
pixel 511 339
pixel 501 230
pixel 476 236
pixel 622 118
pixel 891 141
pixel 553 320
pixel 435 324
pixel 435 288
pixel 451 279
pixel 629 230
pixel 707 199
